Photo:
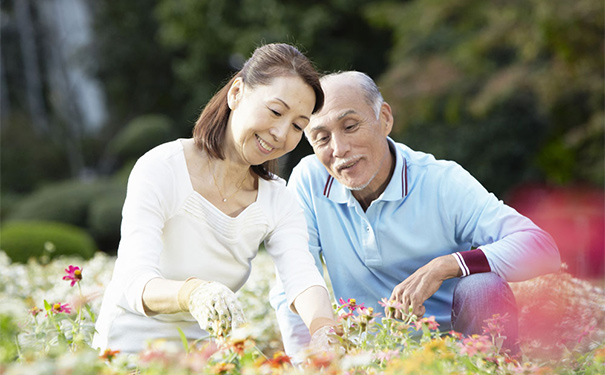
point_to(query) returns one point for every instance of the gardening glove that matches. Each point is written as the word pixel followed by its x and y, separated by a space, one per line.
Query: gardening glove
pixel 212 304
pixel 322 331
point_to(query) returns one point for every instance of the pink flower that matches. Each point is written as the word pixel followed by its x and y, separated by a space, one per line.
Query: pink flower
pixel 495 325
pixel 430 322
pixel 61 308
pixel 475 344
pixel 390 306
pixel 34 311
pixel 351 304
pixel 385 356
pixel 74 274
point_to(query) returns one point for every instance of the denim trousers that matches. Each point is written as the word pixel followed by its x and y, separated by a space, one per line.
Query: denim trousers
pixel 478 297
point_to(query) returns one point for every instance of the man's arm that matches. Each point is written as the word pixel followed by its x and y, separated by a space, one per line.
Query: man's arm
pixel 423 283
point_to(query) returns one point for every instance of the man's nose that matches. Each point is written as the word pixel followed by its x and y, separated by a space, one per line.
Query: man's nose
pixel 340 145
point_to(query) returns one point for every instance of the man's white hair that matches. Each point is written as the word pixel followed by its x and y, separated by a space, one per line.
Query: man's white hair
pixel 368 86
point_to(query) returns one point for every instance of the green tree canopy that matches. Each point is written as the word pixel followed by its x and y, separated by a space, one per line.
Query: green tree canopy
pixel 512 90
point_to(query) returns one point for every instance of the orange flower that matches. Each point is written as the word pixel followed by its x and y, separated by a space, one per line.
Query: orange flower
pixel 109 354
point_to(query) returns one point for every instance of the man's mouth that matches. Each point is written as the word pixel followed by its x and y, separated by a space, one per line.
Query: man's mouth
pixel 346 164
pixel 267 147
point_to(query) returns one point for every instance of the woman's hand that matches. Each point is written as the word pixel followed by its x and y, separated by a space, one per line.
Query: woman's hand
pixel 214 306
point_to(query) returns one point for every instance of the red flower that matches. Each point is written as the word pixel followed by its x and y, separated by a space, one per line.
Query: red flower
pixel 109 354
pixel 74 274
pixel 279 360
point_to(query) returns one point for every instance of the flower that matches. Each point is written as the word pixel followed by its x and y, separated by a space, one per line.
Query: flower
pixel 61 308
pixel 74 274
pixel 475 344
pixel 109 354
pixel 279 360
pixel 495 325
pixel 390 306
pixel 34 311
pixel 222 368
pixel 430 323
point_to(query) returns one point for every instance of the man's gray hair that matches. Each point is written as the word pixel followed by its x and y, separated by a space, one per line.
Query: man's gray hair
pixel 367 85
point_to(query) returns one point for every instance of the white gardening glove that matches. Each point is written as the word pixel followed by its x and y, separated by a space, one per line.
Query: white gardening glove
pixel 322 335
pixel 321 340
pixel 213 305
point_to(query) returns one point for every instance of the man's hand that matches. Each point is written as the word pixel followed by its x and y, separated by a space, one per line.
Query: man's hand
pixel 423 283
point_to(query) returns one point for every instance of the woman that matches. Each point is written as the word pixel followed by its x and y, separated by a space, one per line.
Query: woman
pixel 197 210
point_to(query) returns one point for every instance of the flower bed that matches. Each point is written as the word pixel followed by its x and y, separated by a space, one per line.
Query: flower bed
pixel 48 311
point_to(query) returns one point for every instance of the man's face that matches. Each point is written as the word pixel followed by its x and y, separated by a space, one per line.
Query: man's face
pixel 348 138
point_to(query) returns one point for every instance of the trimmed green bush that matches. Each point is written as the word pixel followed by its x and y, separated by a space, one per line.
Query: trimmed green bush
pixel 65 202
pixel 141 135
pixel 22 240
pixel 105 217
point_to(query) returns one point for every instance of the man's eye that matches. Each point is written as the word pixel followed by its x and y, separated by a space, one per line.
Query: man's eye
pixel 321 140
pixel 352 126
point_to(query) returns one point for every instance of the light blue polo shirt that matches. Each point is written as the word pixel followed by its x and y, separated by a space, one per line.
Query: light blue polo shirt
pixel 430 208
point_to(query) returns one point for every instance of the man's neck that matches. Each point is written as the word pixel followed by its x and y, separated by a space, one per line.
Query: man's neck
pixel 366 196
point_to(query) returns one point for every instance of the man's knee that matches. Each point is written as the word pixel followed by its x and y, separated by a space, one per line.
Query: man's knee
pixel 482 286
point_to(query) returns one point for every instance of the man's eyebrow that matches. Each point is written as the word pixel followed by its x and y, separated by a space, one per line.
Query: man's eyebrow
pixel 346 113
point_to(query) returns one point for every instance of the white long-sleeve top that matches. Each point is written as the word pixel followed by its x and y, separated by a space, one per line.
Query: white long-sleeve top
pixel 171 231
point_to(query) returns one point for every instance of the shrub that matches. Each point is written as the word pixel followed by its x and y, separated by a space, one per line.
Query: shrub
pixel 139 136
pixel 105 217
pixel 44 240
pixel 65 202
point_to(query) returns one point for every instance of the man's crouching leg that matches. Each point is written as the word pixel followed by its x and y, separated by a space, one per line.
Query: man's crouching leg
pixel 478 297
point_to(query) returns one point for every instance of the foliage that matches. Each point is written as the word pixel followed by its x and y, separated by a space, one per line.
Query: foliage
pixel 135 69
pixel 94 206
pixel 513 87
pixel 65 202
pixel 59 342
pixel 105 217
pixel 140 135
pixel 22 240
pixel 27 158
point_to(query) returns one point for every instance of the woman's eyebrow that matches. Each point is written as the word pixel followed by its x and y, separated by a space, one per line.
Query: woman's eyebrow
pixel 288 107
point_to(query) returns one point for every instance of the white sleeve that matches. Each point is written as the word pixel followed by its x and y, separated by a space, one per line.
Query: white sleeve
pixel 287 244
pixel 514 246
pixel 295 334
pixel 143 217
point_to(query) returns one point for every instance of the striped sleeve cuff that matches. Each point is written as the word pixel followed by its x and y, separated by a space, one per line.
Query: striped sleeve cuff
pixel 472 261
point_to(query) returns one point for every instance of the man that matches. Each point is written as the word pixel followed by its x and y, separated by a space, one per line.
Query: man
pixel 392 222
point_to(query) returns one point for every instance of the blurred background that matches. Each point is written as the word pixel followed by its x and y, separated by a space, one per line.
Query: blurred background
pixel 512 90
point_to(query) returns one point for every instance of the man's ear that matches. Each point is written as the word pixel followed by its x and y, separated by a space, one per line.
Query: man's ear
pixel 235 93
pixel 386 118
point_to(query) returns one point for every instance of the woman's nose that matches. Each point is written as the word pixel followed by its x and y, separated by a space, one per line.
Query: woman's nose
pixel 279 131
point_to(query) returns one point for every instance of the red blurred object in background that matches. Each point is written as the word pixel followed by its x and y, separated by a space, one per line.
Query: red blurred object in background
pixel 574 217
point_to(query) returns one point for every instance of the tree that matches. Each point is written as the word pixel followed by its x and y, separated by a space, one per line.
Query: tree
pixel 512 90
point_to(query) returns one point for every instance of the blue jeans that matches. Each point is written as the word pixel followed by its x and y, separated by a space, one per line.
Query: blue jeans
pixel 479 296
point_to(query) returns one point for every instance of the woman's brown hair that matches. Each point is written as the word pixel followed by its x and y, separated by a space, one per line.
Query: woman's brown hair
pixel 266 63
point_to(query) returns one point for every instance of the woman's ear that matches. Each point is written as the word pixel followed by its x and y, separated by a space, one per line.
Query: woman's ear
pixel 235 93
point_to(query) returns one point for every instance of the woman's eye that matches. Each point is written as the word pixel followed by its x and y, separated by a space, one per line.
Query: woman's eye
pixel 297 128
pixel 275 112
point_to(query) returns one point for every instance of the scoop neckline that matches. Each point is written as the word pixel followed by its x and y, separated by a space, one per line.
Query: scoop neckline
pixel 194 192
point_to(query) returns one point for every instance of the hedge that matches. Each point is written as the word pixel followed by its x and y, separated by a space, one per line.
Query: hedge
pixel 25 239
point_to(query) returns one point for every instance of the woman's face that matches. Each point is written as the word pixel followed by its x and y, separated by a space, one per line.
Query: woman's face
pixel 267 121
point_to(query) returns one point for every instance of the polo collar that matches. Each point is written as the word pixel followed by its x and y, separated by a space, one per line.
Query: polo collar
pixel 396 189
